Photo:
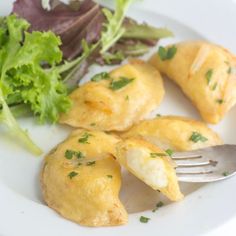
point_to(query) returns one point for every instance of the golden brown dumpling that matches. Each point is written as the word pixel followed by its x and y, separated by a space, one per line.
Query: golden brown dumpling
pixel 174 132
pixel 116 101
pixel 206 74
pixel 81 180
pixel 151 165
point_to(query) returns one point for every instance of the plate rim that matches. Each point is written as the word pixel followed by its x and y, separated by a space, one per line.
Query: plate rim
pixel 17 201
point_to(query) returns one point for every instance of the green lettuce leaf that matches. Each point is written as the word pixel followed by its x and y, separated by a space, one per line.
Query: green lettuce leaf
pixel 24 79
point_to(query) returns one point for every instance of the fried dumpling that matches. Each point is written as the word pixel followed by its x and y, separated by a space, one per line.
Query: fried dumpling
pixel 205 72
pixel 151 165
pixel 117 100
pixel 81 180
pixel 175 132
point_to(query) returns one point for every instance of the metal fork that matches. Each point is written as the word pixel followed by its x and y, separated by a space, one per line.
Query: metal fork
pixel 207 164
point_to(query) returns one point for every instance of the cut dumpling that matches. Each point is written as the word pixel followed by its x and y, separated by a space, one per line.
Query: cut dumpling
pixel 174 132
pixel 81 180
pixel 151 165
pixel 206 74
pixel 117 100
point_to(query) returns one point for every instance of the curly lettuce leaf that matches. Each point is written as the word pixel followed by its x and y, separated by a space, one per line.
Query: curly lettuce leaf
pixel 23 77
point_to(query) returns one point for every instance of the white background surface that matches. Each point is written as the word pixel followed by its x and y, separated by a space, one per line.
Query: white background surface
pixel 215 19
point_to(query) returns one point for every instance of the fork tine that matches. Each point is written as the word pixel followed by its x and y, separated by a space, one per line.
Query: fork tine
pixel 194 173
pixel 187 157
pixel 197 178
pixel 197 164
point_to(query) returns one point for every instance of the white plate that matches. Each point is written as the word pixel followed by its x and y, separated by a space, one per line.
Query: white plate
pixel 204 208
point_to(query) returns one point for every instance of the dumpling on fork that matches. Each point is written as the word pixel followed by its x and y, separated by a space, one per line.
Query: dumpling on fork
pixel 205 72
pixel 150 164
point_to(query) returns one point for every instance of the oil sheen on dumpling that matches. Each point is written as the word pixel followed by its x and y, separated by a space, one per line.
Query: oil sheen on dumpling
pixel 81 180
pixel 205 72
pixel 174 132
pixel 150 164
pixel 117 101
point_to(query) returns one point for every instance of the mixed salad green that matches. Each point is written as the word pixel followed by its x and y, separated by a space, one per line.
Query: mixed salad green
pixel 33 74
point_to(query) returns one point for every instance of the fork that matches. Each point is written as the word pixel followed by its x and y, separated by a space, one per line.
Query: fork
pixel 206 165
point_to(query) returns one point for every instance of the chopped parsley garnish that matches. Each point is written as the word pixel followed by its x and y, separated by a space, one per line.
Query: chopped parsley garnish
pixel 84 138
pixel 90 163
pixel 196 137
pixel 158 205
pixel 158 115
pixel 220 101
pixel 79 155
pixel 144 219
pixel 70 153
pixel 169 152
pixel 208 75
pixel 127 98
pixel 93 124
pixel 156 154
pixel 72 174
pixel 100 76
pixel 214 86
pixel 229 71
pixel 118 84
pixel 167 54
pixel 226 173
pixel 226 62
pixel 109 176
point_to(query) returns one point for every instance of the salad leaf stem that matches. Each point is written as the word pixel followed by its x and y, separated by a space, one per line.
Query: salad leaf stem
pixel 113 28
pixel 74 63
pixel 7 118
pixel 144 31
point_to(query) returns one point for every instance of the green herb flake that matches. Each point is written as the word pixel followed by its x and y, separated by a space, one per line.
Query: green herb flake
pixel 118 84
pixel 214 87
pixel 144 219
pixel 127 98
pixel 227 63
pixel 100 76
pixel 169 152
pixel 158 115
pixel 208 75
pixel 167 54
pixel 90 163
pixel 158 205
pixel 226 173
pixel 79 155
pixel 229 71
pixel 84 138
pixel 72 174
pixel 69 154
pixel 220 101
pixel 93 124
pixel 156 154
pixel 196 137
pixel 109 176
